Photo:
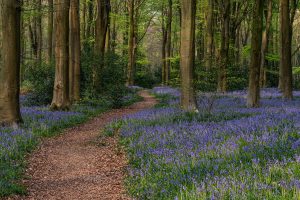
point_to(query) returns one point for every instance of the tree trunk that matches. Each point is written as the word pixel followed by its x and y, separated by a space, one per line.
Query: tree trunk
pixel 286 47
pixel 39 33
pixel 163 45
pixel 89 28
pixel 265 43
pixel 224 51
pixel 209 36
pixel 187 53
pixel 255 63
pixel 114 34
pixel 169 41
pixel 125 32
pixel 61 99
pixel 23 47
pixel 10 65
pixel 50 32
pixel 102 20
pixel 237 45
pixel 108 38
pixel 74 61
pixel 131 44
pixel 33 39
pixel 200 35
pixel 35 32
pixel 84 21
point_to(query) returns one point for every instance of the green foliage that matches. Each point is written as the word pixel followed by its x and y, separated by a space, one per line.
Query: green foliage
pixel 237 78
pixel 206 80
pixel 88 59
pixel 10 172
pixel 246 51
pixel 112 129
pixel 146 78
pixel 273 57
pixel 146 75
pixel 41 79
pixel 296 70
pixel 113 79
pixel 112 76
pixel 175 72
pixel 163 100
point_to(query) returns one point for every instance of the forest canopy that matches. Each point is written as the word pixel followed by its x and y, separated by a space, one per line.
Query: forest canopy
pixel 62 51
pixel 196 99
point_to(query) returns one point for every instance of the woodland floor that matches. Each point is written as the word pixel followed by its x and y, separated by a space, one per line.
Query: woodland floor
pixel 79 163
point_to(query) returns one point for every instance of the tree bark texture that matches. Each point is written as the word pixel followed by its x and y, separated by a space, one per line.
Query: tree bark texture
pixel 187 54
pixel 286 48
pixel 255 63
pixel 265 43
pixel 50 32
pixel 224 51
pixel 10 66
pixel 131 44
pixel 74 61
pixel 102 20
pixel 61 100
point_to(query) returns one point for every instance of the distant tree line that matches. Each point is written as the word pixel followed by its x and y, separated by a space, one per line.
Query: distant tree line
pixel 199 44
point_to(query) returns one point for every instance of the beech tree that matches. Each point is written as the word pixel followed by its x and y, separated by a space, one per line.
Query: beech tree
pixel 167 12
pixel 265 42
pixel 35 30
pixel 169 40
pixel 101 27
pixel 131 43
pixel 209 34
pixel 286 49
pixel 255 63
pixel 187 54
pixel 50 31
pixel 10 65
pixel 224 49
pixel 61 100
pixel 75 48
pixel 226 32
pixel 163 46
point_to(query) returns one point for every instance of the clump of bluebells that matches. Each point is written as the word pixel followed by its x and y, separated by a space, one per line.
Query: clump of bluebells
pixel 226 151
pixel 38 121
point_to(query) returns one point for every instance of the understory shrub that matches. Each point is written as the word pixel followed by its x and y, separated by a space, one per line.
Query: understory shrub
pixel 113 79
pixel 41 78
pixel 112 76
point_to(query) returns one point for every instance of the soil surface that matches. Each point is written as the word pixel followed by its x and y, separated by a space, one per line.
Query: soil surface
pixel 79 163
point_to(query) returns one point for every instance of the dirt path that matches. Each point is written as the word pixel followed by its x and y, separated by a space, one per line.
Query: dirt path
pixel 73 166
